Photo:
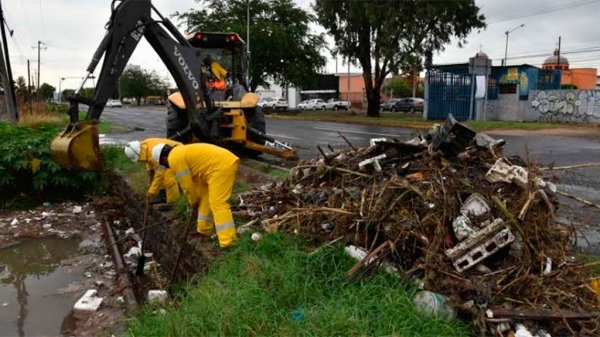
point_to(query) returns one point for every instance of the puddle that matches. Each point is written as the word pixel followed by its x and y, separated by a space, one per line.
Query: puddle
pixel 36 289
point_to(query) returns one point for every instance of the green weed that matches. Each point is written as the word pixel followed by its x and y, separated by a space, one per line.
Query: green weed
pixel 27 171
pixel 275 288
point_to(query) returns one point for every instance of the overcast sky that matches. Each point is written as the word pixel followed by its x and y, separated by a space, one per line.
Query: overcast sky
pixel 72 29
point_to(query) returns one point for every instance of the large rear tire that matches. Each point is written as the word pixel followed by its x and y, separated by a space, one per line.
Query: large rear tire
pixel 177 121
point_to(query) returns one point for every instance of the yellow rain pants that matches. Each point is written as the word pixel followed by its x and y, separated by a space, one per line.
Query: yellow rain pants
pixel 206 174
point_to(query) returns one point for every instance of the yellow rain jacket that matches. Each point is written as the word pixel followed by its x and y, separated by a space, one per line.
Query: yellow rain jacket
pixel 206 174
pixel 163 178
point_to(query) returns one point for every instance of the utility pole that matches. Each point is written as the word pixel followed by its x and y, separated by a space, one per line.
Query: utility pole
pixel 558 55
pixel 38 70
pixel 6 73
pixel 28 79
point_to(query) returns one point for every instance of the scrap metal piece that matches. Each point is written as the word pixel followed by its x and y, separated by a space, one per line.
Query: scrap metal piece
pixel 450 138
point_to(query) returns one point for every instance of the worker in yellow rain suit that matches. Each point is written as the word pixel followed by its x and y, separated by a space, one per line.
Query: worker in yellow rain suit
pixel 161 178
pixel 206 174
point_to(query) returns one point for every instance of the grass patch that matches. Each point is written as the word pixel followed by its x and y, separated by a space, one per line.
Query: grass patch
pixel 275 288
pixel 594 260
pixel 416 121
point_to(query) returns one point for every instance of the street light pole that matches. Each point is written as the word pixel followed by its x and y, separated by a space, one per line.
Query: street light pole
pixel 506 47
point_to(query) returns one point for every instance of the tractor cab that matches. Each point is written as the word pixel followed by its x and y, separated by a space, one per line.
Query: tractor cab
pixel 228 51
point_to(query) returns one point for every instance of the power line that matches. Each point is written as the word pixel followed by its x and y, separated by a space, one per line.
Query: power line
pixel 544 11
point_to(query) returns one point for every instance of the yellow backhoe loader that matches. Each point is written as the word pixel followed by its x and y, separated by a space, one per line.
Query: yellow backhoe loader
pixel 224 114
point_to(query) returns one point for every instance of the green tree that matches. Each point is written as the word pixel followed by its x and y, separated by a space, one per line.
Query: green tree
pixel 21 89
pixel 282 47
pixel 138 83
pixel 390 35
pixel 398 87
pixel 46 91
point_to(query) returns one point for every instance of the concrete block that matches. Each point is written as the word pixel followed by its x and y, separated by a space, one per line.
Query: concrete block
pixel 157 296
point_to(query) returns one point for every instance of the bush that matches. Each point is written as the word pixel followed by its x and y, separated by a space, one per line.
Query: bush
pixel 27 171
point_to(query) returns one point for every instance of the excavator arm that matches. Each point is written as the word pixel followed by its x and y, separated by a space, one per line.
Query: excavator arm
pixel 78 146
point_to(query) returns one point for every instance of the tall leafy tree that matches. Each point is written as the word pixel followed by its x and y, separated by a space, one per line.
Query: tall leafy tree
pixel 138 83
pixel 388 35
pixel 46 91
pixel 282 48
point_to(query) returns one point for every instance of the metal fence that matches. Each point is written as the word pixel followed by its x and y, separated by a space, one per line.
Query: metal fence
pixel 449 92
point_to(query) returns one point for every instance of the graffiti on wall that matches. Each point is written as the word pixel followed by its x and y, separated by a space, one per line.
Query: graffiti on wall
pixel 566 105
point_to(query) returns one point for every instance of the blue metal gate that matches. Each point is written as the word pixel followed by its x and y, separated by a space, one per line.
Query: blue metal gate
pixel 449 92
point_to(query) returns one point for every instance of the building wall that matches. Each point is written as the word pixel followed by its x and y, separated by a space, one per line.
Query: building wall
pixel 579 106
pixel 357 90
pixel 508 107
pixel 584 78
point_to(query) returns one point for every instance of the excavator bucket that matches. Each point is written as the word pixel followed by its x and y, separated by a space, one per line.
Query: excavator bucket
pixel 78 147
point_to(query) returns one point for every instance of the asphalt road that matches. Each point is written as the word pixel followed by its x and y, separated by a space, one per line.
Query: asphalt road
pixel 306 135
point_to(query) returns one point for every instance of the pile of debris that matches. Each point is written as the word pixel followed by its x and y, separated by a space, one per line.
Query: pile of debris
pixel 451 211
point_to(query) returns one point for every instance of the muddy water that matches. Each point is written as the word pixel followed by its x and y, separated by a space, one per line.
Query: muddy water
pixel 34 286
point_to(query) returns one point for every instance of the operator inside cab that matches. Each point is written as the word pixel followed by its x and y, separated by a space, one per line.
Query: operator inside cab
pixel 214 73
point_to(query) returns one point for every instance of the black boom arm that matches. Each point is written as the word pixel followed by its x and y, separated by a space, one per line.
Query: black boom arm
pixel 130 21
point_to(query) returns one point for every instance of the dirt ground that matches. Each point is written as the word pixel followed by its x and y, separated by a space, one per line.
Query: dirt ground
pixel 86 267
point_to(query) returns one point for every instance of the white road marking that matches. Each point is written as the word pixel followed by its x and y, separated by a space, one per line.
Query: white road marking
pixel 359 132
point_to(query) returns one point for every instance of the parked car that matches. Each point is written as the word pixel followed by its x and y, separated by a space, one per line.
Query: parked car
pixel 387 106
pixel 267 102
pixel 303 105
pixel 114 103
pixel 312 104
pixel 334 104
pixel 410 104
pixel 280 104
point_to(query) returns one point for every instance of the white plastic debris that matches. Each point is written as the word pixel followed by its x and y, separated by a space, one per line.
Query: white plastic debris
pixel 372 161
pixel 434 304
pixel 89 301
pixel 134 251
pixel 45 214
pixel 256 236
pixel 120 300
pixel 46 226
pixel 99 283
pixel 77 209
pixel 129 231
pixel 14 222
pixel 475 205
pixel 27 220
pixel 548 266
pixel 88 274
pixel 157 296
pixel 374 141
pixel 522 331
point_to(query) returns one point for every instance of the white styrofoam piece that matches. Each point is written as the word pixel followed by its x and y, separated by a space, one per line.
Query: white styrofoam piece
pixel 89 301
